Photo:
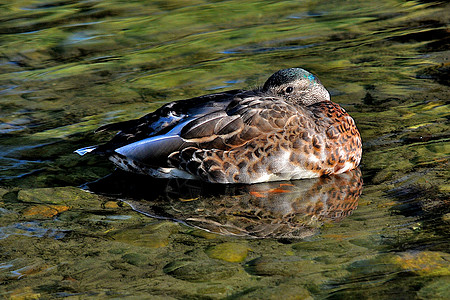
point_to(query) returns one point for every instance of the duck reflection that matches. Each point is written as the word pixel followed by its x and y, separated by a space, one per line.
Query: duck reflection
pixel 289 209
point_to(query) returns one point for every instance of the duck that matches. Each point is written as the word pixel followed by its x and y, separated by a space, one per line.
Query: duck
pixel 287 129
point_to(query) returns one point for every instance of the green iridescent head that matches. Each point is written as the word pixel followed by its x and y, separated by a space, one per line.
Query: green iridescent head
pixel 296 85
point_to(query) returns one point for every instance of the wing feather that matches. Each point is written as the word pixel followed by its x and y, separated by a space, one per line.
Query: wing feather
pixel 153 151
pixel 246 121
pixel 164 119
pixel 203 126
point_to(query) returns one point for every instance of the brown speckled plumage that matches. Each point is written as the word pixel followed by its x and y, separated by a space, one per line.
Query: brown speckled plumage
pixel 289 129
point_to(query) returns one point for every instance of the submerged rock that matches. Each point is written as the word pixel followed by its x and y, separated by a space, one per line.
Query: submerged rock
pixel 69 196
pixel 24 293
pixel 199 271
pixel 282 291
pixel 425 263
pixel 44 211
pixel 150 236
pixel 436 289
pixel 422 263
pixel 135 259
pixel 231 252
pixel 284 266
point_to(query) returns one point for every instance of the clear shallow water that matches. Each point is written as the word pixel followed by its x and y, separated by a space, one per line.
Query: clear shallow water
pixel 67 67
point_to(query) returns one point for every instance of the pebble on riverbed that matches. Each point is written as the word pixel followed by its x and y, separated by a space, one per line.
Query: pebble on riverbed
pixel 201 270
pixel 44 211
pixel 231 252
pixel 284 266
pixel 425 263
pixel 155 235
pixel 72 196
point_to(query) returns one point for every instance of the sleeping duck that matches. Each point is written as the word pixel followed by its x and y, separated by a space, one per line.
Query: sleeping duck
pixel 288 129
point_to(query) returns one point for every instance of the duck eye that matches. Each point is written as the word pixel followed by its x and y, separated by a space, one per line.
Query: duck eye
pixel 289 89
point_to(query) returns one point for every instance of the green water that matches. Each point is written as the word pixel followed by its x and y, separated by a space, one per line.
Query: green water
pixel 67 67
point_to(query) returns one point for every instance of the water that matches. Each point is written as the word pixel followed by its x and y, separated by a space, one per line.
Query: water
pixel 67 67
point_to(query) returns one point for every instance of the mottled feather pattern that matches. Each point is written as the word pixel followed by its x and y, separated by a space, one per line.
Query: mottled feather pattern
pixel 275 142
pixel 343 145
pixel 289 129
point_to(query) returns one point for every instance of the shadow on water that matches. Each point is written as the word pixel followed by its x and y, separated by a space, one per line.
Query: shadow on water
pixel 293 209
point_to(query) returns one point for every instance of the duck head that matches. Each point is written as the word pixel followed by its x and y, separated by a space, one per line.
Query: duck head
pixel 296 85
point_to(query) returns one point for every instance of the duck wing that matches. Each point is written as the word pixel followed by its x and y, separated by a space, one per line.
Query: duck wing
pixel 245 119
pixel 164 119
pixel 232 146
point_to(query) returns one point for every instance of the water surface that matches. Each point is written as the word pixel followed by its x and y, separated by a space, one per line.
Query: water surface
pixel 67 67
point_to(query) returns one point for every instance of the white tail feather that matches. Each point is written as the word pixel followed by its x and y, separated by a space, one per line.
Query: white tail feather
pixel 83 151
